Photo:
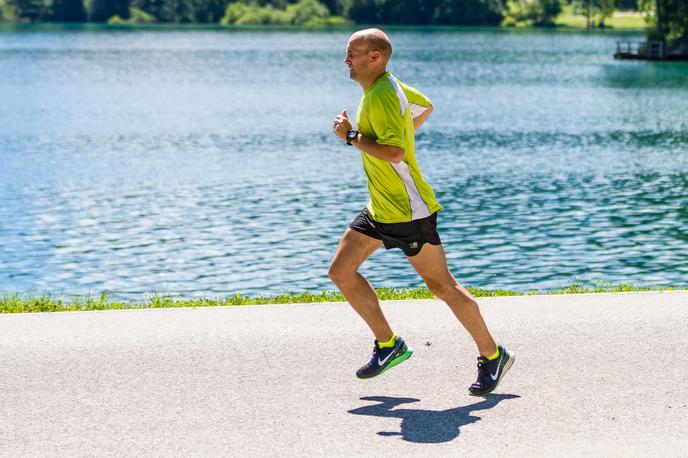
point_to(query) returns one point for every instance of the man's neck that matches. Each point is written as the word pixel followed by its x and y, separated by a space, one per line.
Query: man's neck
pixel 373 78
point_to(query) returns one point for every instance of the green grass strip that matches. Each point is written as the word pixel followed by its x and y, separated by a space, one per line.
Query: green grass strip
pixel 49 302
pixel 568 18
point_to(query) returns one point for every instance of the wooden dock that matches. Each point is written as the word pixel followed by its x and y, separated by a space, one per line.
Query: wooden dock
pixel 647 50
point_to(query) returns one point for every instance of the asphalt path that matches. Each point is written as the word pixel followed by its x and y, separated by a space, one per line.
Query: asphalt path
pixel 595 375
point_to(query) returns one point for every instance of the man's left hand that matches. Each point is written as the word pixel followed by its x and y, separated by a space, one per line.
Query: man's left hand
pixel 341 125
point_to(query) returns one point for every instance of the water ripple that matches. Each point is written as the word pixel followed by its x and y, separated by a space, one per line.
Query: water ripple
pixel 203 164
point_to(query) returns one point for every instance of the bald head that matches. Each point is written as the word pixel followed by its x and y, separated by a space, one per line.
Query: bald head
pixel 367 54
pixel 374 40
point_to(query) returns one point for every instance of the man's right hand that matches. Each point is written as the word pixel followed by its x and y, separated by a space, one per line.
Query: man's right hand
pixel 341 125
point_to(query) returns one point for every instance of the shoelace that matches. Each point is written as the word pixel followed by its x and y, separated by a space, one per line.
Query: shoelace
pixel 376 350
pixel 376 353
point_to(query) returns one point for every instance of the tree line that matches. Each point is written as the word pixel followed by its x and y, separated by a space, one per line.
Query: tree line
pixel 668 22
pixel 299 12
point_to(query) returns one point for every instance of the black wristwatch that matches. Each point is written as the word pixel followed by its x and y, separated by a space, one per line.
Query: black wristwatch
pixel 351 134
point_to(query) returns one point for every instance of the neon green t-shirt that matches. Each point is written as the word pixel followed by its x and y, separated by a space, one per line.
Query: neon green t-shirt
pixel 398 192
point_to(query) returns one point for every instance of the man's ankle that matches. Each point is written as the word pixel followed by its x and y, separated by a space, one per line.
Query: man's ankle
pixel 388 343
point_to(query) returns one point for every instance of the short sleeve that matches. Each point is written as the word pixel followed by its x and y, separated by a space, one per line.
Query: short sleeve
pixel 418 102
pixel 387 120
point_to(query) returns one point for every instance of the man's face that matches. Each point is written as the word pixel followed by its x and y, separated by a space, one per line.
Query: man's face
pixel 357 59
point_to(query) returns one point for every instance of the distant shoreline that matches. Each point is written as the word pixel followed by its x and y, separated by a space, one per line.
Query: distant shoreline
pixel 47 302
pixel 565 24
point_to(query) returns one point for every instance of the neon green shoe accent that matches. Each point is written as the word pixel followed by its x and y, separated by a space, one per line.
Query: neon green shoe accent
pixel 495 356
pixel 399 359
pixel 389 344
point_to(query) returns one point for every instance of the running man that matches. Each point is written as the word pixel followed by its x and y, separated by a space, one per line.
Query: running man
pixel 401 213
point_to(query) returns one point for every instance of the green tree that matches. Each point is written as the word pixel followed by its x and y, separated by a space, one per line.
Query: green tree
pixel 470 12
pixel 30 10
pixel 136 16
pixel 102 10
pixel 276 4
pixel 67 11
pixel 209 11
pixel 628 5
pixel 366 11
pixel 337 7
pixel 233 12
pixel 595 11
pixel 529 13
pixel 392 11
pixel 303 12
pixel 307 12
pixel 152 7
pixel 668 22
pixel 6 11
pixel 176 11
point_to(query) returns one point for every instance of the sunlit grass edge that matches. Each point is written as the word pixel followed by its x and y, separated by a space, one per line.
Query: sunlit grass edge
pixel 618 21
pixel 47 302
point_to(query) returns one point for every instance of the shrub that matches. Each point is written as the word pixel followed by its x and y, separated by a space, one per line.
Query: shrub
pixel 136 16
pixel 233 12
pixel 6 12
pixel 280 17
pixel 307 12
pixel 526 13
pixel 302 13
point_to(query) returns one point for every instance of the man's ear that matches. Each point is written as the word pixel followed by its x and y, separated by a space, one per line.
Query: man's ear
pixel 375 55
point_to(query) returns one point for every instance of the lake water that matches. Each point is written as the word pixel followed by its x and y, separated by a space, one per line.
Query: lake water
pixel 201 162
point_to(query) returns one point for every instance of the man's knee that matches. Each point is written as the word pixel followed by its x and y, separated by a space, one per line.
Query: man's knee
pixel 340 274
pixel 446 290
pixel 439 288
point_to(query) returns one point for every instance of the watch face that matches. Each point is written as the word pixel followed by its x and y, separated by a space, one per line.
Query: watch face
pixel 351 134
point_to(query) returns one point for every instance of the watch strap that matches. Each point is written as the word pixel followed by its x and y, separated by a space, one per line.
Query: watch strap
pixel 354 133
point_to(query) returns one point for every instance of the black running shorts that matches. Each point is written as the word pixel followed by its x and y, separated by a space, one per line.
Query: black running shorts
pixel 410 236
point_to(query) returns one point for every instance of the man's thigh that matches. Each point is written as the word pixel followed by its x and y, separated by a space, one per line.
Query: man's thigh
pixel 353 249
pixel 431 265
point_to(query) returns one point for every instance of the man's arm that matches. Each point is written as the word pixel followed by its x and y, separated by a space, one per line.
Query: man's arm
pixel 420 119
pixel 419 104
pixel 389 153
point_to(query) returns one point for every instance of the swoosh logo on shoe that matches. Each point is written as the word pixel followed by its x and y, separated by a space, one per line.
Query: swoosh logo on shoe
pixel 494 377
pixel 381 362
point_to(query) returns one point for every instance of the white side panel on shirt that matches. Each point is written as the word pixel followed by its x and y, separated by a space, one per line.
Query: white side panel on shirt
pixel 400 93
pixel 418 207
pixel 416 110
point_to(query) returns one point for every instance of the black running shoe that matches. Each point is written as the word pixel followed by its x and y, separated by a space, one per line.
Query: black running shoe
pixel 490 373
pixel 385 358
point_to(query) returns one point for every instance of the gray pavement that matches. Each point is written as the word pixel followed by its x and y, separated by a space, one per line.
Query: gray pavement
pixel 595 375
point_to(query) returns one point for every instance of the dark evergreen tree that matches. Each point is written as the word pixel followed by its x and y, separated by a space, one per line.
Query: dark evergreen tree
pixel 628 5
pixel 337 7
pixel 409 12
pixel 671 24
pixel 210 11
pixel 30 10
pixel 175 11
pixel 102 10
pixel 662 14
pixel 154 7
pixel 470 12
pixel 67 11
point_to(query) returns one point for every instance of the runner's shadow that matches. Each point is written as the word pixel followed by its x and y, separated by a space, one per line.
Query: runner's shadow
pixel 427 426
